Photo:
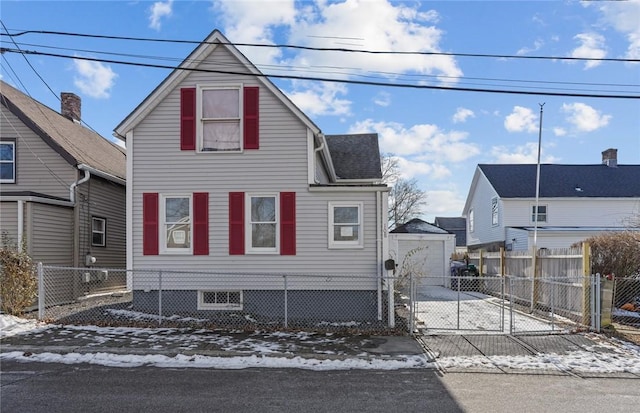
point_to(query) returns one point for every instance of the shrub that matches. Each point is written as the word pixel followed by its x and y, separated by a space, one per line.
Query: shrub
pixel 615 253
pixel 18 283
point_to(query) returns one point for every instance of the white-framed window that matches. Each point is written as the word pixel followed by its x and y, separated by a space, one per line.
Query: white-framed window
pixel 542 213
pixel 176 213
pixel 471 223
pixel 219 114
pixel 345 225
pixel 262 212
pixel 494 211
pixel 98 232
pixel 7 162
pixel 219 300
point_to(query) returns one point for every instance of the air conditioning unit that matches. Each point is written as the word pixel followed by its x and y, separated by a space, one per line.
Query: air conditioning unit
pixel 86 277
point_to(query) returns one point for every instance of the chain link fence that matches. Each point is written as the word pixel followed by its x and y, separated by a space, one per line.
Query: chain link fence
pixel 507 304
pixel 244 301
pixel 626 300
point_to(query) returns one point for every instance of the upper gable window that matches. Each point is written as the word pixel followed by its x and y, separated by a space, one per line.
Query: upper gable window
pixel 494 211
pixel 7 162
pixel 219 123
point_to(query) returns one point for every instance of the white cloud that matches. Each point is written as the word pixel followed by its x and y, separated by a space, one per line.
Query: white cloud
pixel 527 153
pixel 521 120
pixel 585 118
pixel 591 46
pixel 320 98
pixel 624 16
pixel 157 11
pixel 94 78
pixel 558 131
pixel 382 99
pixel 537 45
pixel 424 142
pixel 462 114
pixel 444 203
pixel 410 169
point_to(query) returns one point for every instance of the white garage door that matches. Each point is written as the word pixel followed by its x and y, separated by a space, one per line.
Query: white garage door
pixel 424 258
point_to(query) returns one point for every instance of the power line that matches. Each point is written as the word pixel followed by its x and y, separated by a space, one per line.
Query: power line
pixel 320 49
pixel 309 69
pixel 335 80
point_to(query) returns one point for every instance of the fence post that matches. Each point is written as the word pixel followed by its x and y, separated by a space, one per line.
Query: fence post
pixel 160 297
pixel 586 283
pixel 412 302
pixel 41 302
pixel 511 320
pixel 534 286
pixel 286 304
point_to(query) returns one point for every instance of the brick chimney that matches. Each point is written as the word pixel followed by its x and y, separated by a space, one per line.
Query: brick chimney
pixel 70 106
pixel 610 158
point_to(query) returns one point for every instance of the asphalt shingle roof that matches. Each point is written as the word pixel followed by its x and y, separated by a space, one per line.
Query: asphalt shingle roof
pixel 417 226
pixel 454 225
pixel 564 181
pixel 77 144
pixel 355 156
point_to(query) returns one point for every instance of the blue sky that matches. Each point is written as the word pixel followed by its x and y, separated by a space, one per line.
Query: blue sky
pixel 439 136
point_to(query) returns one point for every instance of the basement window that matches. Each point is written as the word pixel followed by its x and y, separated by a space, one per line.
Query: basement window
pixel 219 300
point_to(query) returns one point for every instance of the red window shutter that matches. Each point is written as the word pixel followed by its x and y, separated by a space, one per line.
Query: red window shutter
pixel 188 119
pixel 251 117
pixel 200 223
pixel 150 224
pixel 236 223
pixel 287 223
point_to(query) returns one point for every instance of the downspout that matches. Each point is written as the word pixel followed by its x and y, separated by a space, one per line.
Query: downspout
pixel 315 152
pixel 20 225
pixel 76 217
pixel 379 253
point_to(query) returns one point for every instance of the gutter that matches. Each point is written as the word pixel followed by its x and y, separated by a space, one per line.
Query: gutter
pixel 72 188
pixel 315 152
pixel 101 174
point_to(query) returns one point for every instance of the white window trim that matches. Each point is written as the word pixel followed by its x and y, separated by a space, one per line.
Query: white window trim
pixel 163 232
pixel 104 232
pixel 537 215
pixel 10 181
pixel 495 212
pixel 471 219
pixel 333 244
pixel 219 306
pixel 199 127
pixel 248 229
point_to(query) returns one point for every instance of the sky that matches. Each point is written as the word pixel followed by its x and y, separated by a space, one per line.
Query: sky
pixel 437 132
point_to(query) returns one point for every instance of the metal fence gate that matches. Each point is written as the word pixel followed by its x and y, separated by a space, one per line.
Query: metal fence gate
pixel 508 304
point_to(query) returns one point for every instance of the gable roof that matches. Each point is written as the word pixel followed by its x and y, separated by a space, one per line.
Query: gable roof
pixel 355 156
pixel 75 143
pixel 456 226
pixel 417 226
pixel 209 44
pixel 564 181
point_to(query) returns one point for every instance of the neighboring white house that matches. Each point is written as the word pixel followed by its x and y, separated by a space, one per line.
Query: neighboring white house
pixel 575 202
pixel 422 249
pixel 227 176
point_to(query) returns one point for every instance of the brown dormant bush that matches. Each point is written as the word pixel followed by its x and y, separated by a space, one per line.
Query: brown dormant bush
pixel 18 284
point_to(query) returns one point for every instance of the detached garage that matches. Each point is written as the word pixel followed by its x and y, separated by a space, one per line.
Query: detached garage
pixel 423 249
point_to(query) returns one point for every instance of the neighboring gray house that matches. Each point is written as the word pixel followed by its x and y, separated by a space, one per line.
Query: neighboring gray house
pixel 424 250
pixel 575 202
pixel 227 176
pixel 62 185
pixel 456 226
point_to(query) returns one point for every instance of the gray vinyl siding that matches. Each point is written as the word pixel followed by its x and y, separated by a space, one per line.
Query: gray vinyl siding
pixel 104 199
pixel 50 229
pixel 279 165
pixel 9 223
pixel 39 168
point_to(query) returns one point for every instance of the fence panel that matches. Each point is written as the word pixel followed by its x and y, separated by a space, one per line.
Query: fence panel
pixel 229 300
pixel 626 301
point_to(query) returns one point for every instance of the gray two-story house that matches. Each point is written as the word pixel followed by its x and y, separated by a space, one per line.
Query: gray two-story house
pixel 62 185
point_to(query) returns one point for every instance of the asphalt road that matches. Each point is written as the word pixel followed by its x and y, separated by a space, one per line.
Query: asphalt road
pixel 39 387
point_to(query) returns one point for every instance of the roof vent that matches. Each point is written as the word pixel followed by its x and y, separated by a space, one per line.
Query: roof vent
pixel 610 158
pixel 70 106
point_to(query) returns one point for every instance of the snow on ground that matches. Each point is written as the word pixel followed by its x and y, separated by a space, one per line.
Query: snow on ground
pixel 440 308
pixel 617 357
